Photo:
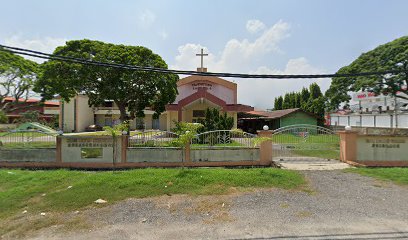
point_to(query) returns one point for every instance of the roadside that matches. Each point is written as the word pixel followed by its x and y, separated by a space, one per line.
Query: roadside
pixel 338 205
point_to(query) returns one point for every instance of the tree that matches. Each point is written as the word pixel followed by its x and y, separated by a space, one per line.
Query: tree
pixel 214 120
pixel 286 101
pixel 131 90
pixel 17 76
pixel 304 95
pixel 278 103
pixel 390 56
pixel 315 91
pixel 3 117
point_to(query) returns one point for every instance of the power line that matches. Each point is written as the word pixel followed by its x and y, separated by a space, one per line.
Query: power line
pixel 37 54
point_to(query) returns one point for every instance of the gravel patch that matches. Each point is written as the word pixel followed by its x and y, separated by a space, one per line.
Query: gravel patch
pixel 337 205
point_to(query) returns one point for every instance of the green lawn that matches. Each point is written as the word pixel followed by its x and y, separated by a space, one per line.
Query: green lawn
pixel 321 138
pixel 25 189
pixel 396 175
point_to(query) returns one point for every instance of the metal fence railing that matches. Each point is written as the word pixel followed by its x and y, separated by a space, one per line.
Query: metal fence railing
pixel 224 138
pixel 27 139
pixel 153 138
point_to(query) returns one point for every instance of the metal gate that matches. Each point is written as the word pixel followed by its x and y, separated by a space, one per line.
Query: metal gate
pixel 305 142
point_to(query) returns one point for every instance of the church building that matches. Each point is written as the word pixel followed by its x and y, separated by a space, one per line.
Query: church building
pixel 195 95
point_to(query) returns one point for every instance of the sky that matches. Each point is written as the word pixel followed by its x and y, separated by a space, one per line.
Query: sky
pixel 252 36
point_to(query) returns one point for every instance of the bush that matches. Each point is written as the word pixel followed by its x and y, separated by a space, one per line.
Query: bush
pixel 3 117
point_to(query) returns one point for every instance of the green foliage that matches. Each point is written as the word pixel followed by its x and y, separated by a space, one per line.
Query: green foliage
pixel 3 117
pixel 22 188
pixel 390 56
pixel 310 100
pixel 278 105
pixel 17 76
pixel 130 90
pixel 186 131
pixel 30 116
pixel 214 120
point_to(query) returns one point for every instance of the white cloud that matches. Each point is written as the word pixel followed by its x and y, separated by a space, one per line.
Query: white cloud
pixel 237 55
pixel 254 26
pixel 240 56
pixel 146 18
pixel 46 45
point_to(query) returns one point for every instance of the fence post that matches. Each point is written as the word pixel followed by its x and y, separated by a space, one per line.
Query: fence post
pixel 187 152
pixel 348 146
pixel 124 145
pixel 265 148
pixel 58 146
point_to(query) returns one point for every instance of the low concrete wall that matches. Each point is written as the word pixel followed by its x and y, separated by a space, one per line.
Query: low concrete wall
pixel 374 150
pixel 164 155
pixel 28 155
pixel 72 147
pixel 225 154
pixel 380 150
pixel 7 126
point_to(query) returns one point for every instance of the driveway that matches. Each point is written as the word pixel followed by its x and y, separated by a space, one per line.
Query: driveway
pixel 336 205
pixel 310 163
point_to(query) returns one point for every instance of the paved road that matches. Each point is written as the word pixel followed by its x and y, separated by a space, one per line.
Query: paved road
pixel 338 205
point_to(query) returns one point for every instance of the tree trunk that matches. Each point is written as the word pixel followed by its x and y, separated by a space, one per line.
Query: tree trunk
pixel 122 109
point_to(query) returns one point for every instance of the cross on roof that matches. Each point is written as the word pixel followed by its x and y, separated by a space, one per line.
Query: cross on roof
pixel 202 57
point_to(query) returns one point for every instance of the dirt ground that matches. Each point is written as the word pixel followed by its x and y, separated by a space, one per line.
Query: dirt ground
pixel 336 205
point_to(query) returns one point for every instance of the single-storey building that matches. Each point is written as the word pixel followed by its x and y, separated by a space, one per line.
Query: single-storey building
pixel 195 95
pixel 254 120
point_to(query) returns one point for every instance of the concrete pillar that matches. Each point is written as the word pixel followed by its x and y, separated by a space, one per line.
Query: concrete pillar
pixel 187 153
pixel 265 148
pixel 348 146
pixel 58 156
pixel 124 145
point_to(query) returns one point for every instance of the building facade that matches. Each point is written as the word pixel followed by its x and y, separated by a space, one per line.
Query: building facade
pixel 195 95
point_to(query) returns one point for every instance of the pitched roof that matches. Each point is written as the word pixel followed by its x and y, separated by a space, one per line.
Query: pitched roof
pixel 31 100
pixel 273 114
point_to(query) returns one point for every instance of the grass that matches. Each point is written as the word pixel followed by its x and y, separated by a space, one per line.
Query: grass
pixel 396 175
pixel 321 138
pixel 47 191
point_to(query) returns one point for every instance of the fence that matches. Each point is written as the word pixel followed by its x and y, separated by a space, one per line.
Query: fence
pixel 143 149
pixel 383 120
pixel 224 145
pixel 154 146
pixel 27 146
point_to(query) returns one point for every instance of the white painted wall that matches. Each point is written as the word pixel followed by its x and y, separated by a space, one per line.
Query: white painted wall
pixel 386 120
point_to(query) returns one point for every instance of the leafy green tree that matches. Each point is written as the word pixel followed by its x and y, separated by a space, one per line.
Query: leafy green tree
pixel 315 91
pixel 304 96
pixel 389 56
pixel 17 76
pixel 3 117
pixel 278 103
pixel 131 90
pixel 286 101
pixel 214 120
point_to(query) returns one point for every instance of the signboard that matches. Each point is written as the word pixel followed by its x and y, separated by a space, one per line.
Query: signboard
pixel 360 96
pixel 382 148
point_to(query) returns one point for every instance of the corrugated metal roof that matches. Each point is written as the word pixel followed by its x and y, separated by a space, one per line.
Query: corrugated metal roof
pixel 274 114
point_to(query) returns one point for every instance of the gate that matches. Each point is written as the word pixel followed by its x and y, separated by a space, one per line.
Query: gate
pixel 224 146
pixel 305 142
